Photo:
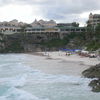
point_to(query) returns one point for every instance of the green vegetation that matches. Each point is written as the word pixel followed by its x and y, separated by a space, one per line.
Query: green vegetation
pixel 75 24
pixel 93 45
pixel 93 38
pixel 55 43
pixel 65 41
pixel 15 47
pixel 89 39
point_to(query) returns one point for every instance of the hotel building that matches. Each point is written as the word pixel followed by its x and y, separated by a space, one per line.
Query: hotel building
pixel 43 29
pixel 94 20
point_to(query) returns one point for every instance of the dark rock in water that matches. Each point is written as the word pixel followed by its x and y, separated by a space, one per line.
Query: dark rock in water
pixel 95 84
pixel 93 72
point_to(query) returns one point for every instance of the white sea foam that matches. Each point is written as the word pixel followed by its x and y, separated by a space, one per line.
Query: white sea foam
pixel 35 76
pixel 39 77
pixel 14 81
pixel 16 94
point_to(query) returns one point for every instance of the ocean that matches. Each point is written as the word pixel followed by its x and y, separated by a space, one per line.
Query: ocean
pixel 19 81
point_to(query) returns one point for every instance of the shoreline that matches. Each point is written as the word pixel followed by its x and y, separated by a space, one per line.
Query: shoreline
pixel 65 65
pixel 72 58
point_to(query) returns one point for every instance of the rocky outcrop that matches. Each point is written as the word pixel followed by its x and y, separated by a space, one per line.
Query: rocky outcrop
pixel 94 73
pixel 95 84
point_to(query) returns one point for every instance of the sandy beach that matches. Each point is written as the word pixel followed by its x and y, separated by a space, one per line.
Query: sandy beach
pixel 74 58
pixel 59 63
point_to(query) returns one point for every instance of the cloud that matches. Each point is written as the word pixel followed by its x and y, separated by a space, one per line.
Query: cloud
pixel 60 10
pixel 24 13
pixel 22 2
pixel 69 10
pixel 66 7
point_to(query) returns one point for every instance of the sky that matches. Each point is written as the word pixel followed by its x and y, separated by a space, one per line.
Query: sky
pixel 64 11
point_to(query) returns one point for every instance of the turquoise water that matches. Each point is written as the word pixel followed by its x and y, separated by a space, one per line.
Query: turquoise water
pixel 21 82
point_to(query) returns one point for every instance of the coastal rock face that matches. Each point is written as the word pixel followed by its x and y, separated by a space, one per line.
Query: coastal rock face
pixel 95 84
pixel 93 72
